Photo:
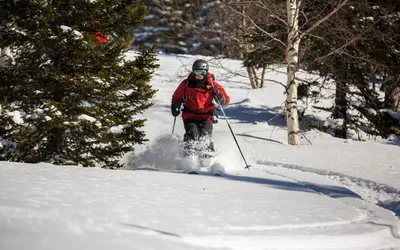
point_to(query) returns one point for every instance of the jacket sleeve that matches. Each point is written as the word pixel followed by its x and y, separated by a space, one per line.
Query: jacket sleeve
pixel 222 91
pixel 179 93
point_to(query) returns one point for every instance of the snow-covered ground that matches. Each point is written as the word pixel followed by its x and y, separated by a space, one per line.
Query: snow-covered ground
pixel 332 194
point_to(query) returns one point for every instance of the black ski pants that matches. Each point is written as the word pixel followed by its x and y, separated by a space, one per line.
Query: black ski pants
pixel 197 130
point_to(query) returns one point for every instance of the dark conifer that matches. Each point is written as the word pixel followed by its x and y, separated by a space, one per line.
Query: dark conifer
pixel 69 96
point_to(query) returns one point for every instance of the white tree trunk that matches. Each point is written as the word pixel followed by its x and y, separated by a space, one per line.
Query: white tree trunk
pixel 292 52
pixel 5 54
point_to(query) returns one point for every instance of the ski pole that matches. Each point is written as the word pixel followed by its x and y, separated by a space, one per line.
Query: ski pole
pixel 173 127
pixel 233 134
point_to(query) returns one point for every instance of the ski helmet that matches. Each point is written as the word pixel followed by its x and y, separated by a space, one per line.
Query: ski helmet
pixel 200 64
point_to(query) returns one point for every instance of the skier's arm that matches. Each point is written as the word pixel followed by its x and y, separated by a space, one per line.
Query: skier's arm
pixel 178 99
pixel 222 96
pixel 179 94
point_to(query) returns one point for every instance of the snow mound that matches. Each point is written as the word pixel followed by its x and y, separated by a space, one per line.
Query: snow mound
pixel 166 153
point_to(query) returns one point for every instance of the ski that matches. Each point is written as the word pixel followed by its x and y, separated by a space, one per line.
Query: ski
pixel 198 173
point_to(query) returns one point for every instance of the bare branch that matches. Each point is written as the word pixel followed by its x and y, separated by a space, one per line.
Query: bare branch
pixel 257 26
pixel 348 43
pixel 273 14
pixel 315 25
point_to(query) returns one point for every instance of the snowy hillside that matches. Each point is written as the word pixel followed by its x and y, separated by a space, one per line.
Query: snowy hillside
pixel 332 194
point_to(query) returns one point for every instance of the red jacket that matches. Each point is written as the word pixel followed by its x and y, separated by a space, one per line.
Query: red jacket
pixel 198 101
pixel 101 37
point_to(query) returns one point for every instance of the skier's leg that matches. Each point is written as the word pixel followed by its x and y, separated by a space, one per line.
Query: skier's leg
pixel 205 131
pixel 190 137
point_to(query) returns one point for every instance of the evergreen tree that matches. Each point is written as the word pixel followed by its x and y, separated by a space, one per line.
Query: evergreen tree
pixel 69 98
pixel 183 27
pixel 165 26
pixel 359 47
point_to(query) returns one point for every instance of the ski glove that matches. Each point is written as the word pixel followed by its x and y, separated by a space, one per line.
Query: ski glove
pixel 218 96
pixel 215 91
pixel 175 109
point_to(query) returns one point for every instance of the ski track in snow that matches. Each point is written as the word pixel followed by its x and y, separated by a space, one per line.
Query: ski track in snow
pixel 369 190
pixel 379 194
pixel 106 212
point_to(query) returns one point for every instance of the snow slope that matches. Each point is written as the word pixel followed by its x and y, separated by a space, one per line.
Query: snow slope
pixel 47 207
pixel 333 194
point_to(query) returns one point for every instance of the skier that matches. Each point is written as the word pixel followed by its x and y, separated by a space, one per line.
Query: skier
pixel 197 93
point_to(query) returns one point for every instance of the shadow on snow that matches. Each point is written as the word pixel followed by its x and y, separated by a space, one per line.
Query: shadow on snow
pixel 241 113
pixel 150 230
pixel 245 114
pixel 260 138
pixel 331 191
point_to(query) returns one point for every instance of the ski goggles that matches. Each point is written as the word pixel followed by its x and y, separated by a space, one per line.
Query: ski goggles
pixel 199 72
